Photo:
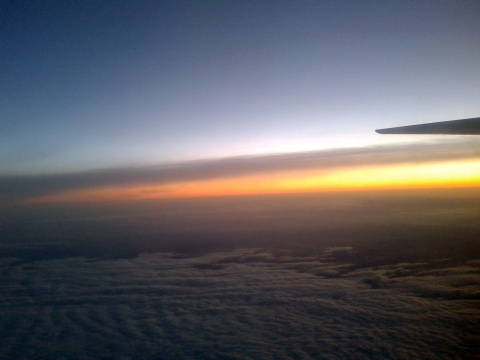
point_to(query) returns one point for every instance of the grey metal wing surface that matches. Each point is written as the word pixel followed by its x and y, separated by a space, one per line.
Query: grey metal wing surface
pixel 453 127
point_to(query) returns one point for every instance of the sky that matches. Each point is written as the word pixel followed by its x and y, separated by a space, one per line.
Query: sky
pixel 209 98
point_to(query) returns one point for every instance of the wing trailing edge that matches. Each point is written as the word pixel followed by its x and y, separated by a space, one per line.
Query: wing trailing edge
pixel 453 127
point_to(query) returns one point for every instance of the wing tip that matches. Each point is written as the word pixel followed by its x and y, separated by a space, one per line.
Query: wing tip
pixel 453 127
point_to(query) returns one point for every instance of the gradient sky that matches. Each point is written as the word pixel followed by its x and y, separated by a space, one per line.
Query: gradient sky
pixel 96 85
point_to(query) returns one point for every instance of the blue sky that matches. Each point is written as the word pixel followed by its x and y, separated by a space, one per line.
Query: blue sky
pixel 101 84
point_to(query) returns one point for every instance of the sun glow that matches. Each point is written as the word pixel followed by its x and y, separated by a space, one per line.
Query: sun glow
pixel 438 175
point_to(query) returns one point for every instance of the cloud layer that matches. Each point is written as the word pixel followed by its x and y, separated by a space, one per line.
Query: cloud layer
pixel 17 187
pixel 354 275
pixel 246 304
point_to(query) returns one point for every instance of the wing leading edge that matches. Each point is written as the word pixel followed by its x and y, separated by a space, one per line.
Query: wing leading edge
pixel 453 127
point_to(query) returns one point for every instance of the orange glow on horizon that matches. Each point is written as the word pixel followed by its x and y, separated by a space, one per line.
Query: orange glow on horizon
pixel 439 175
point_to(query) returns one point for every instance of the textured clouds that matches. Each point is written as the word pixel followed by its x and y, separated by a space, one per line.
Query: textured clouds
pixel 14 187
pixel 354 275
pixel 255 305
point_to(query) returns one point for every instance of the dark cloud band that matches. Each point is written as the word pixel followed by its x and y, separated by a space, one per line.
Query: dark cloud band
pixel 18 187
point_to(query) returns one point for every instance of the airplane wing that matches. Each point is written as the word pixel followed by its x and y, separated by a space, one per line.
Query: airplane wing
pixel 453 127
